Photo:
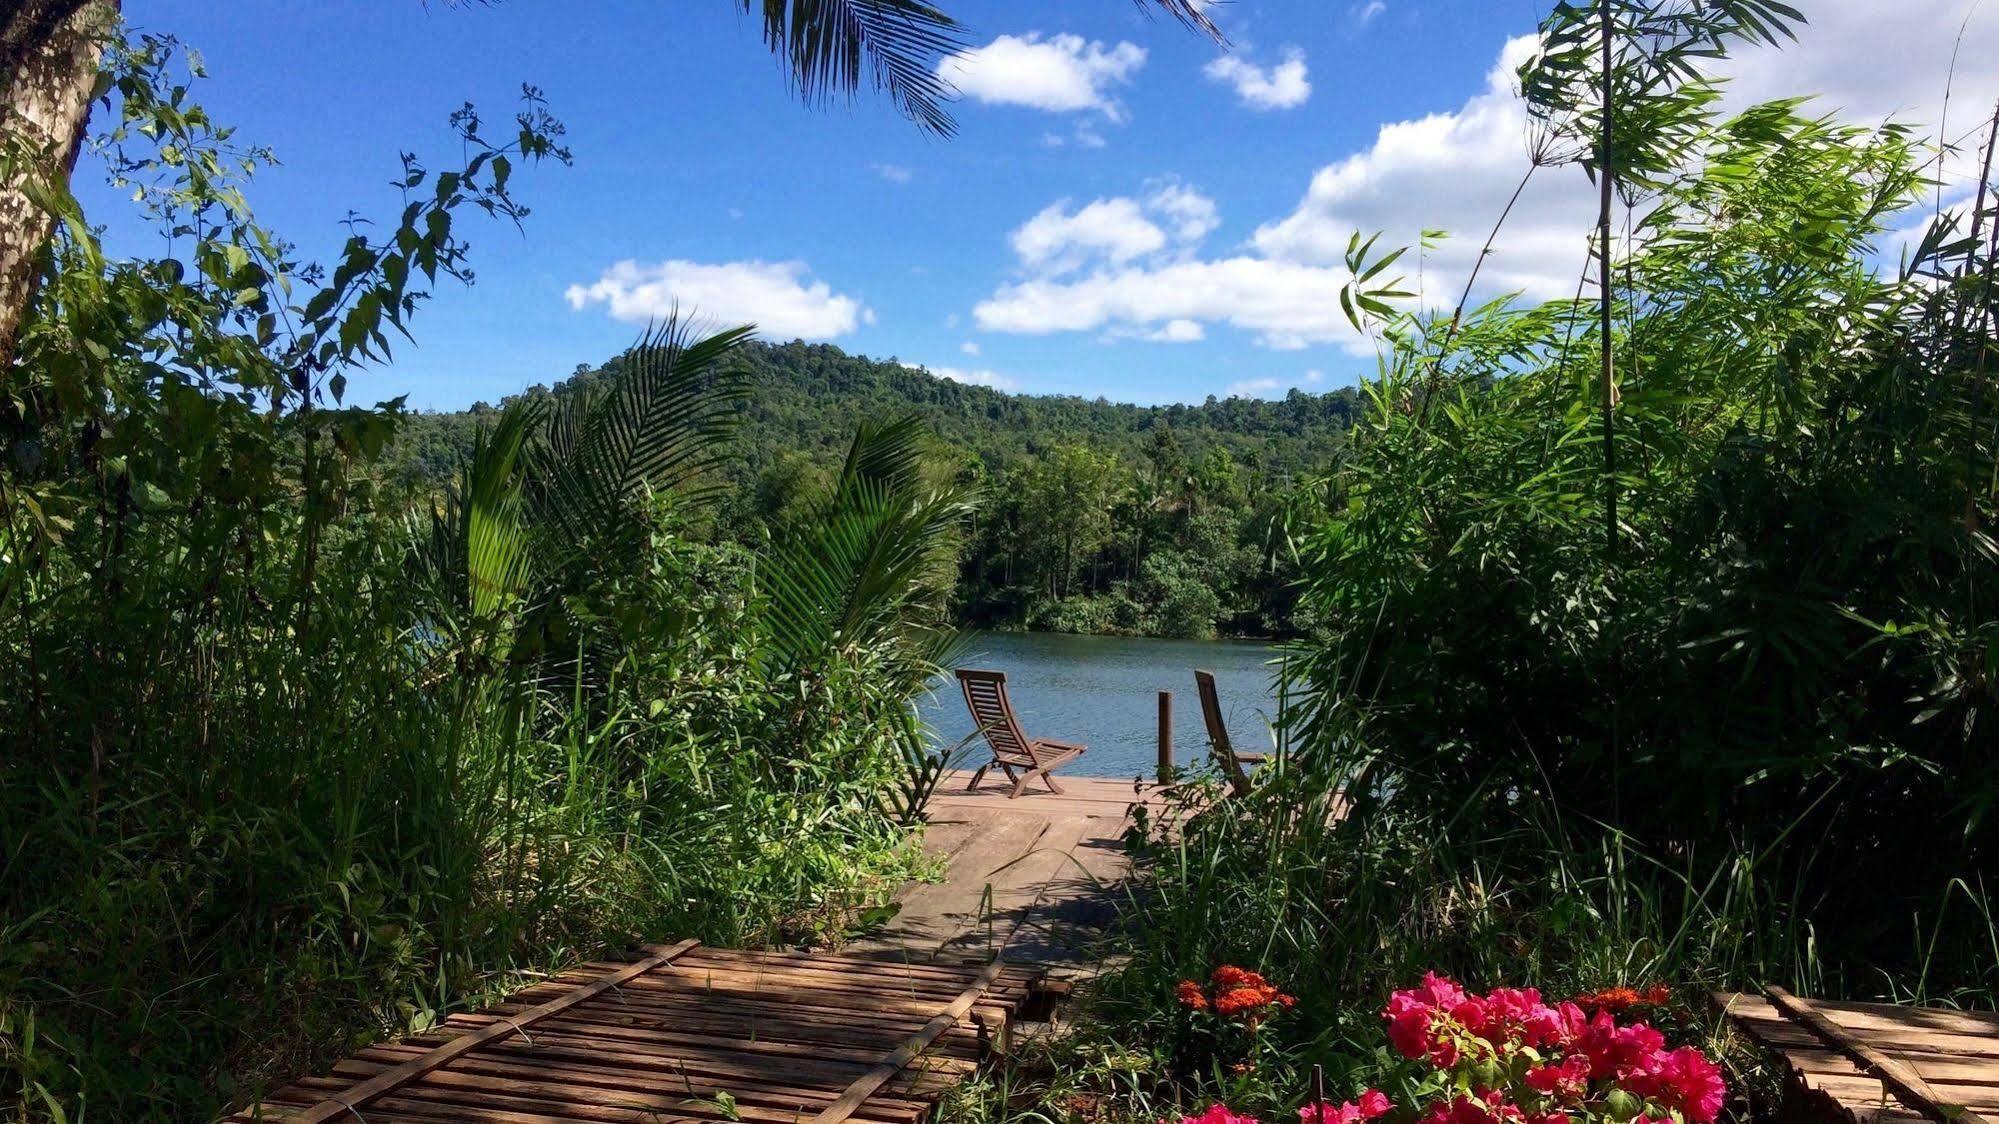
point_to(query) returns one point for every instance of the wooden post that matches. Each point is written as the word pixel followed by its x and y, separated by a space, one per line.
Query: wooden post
pixel 1165 737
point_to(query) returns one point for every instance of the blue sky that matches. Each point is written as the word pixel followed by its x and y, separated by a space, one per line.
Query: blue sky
pixel 1120 214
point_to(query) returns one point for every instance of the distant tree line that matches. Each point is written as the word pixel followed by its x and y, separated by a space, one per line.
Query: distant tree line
pixel 1092 516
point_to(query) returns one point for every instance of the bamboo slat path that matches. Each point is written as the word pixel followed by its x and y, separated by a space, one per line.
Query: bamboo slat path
pixel 1876 1063
pixel 685 1033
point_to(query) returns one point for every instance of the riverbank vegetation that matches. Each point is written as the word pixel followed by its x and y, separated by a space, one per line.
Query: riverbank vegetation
pixel 1709 711
pixel 1092 516
pixel 1673 672
pixel 298 755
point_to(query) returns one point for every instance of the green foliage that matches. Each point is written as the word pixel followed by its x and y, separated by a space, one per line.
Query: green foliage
pixel 1748 743
pixel 296 759
pixel 1091 516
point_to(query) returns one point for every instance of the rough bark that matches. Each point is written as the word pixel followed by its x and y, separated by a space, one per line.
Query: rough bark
pixel 49 51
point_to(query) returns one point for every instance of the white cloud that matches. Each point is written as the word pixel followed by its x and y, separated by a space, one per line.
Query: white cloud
pixel 1193 214
pixel 1116 230
pixel 1056 240
pixel 1178 331
pixel 969 347
pixel 776 296
pixel 893 173
pixel 975 378
pixel 1286 305
pixel 1364 14
pixel 1253 388
pixel 1451 171
pixel 1283 86
pixel 1455 169
pixel 1058 73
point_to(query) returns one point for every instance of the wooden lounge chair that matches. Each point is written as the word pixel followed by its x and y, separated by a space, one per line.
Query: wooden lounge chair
pixel 1020 757
pixel 1235 766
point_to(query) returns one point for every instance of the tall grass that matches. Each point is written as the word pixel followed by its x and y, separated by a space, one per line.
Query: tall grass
pixel 295 759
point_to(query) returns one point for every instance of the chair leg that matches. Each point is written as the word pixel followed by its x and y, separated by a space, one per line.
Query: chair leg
pixel 1020 785
pixel 1048 778
pixel 977 777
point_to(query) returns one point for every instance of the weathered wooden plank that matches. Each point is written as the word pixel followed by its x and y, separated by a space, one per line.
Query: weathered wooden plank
pixel 759 1038
pixel 1898 1075
pixel 344 1104
pixel 866 1086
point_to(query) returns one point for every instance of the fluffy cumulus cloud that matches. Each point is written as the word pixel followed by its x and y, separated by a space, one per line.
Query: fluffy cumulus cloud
pixel 1058 239
pixel 1285 305
pixel 779 297
pixel 1280 86
pixel 1452 171
pixel 1192 214
pixel 1114 231
pixel 1056 73
pixel 1455 170
pixel 1178 331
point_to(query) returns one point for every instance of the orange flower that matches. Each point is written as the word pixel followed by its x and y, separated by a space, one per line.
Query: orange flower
pixel 1241 993
pixel 1190 996
pixel 1618 1000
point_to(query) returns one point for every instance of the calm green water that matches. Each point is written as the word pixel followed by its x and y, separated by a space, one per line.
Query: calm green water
pixel 1103 691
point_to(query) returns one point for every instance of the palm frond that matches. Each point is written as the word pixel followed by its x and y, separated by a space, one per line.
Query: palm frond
pixel 496 538
pixel 1193 13
pixel 831 47
pixel 851 576
pixel 663 420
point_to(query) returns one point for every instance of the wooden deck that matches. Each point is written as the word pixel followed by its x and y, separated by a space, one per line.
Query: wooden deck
pixel 1876 1062
pixel 874 1034
pixel 685 1033
pixel 1034 879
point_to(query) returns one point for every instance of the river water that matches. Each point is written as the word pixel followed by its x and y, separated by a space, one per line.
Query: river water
pixel 1103 691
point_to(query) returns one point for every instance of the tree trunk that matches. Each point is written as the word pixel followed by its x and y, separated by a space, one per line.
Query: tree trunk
pixel 49 50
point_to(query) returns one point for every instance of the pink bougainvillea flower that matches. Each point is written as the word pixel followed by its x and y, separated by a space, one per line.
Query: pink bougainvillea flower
pixel 1417 1019
pixel 1616 1051
pixel 1370 1105
pixel 1567 1080
pixel 1684 1079
pixel 1219 1114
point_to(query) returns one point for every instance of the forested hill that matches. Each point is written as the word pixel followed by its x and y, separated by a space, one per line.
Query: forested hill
pixel 811 397
pixel 1096 516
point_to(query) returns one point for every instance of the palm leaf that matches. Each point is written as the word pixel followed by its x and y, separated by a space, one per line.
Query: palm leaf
pixel 662 421
pixel 496 539
pixel 850 576
pixel 831 47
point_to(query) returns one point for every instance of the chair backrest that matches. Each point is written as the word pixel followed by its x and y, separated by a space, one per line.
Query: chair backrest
pixel 1218 733
pixel 986 698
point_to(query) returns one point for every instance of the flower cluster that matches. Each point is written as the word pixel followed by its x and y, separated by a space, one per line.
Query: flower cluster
pixel 1370 1104
pixel 1529 1062
pixel 1618 1000
pixel 1234 993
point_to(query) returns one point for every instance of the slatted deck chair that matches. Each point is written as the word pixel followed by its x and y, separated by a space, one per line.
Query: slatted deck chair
pixel 1235 766
pixel 1020 757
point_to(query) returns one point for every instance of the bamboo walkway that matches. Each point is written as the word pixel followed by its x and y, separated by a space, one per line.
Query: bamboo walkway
pixel 686 1033
pixel 873 1035
pixel 1876 1063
